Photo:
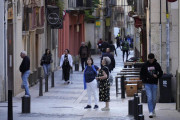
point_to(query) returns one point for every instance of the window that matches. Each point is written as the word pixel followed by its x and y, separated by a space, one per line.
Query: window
pixel 18 8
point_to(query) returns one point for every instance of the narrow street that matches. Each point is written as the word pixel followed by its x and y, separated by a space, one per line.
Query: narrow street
pixel 67 102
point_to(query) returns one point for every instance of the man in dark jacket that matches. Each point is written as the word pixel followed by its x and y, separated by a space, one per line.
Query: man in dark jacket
pixel 83 53
pixel 125 48
pixel 104 46
pixel 111 66
pixel 25 71
pixel 150 73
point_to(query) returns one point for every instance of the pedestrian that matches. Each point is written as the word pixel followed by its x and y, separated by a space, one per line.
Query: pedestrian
pixel 45 61
pixel 112 49
pixel 111 66
pixel 99 46
pixel 117 42
pixel 25 71
pixel 66 63
pixel 90 81
pixel 83 54
pixel 104 85
pixel 150 73
pixel 125 48
pixel 104 46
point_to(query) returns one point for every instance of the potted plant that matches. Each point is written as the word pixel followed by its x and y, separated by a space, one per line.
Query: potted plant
pixel 130 2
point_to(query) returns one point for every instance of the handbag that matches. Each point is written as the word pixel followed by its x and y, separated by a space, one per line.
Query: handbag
pixel 41 63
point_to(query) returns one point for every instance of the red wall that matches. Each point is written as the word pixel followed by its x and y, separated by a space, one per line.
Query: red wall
pixel 69 38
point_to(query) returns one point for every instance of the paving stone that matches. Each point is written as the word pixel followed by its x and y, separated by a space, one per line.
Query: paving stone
pixel 110 118
pixel 58 97
pixel 50 115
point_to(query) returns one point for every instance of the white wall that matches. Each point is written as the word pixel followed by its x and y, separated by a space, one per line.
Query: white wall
pixel 2 82
pixel 89 34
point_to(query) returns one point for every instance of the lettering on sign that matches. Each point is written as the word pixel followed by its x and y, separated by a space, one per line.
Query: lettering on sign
pixel 164 83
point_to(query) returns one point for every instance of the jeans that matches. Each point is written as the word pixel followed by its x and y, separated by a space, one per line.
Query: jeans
pixel 92 87
pixel 83 61
pixel 25 81
pixel 125 51
pixel 151 91
pixel 46 68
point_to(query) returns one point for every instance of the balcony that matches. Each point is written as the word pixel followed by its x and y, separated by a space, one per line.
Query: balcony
pixel 120 24
pixel 112 2
pixel 119 10
pixel 79 4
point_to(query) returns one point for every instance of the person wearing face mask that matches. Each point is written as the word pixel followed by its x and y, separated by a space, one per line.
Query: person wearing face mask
pixel 150 73
pixel 66 63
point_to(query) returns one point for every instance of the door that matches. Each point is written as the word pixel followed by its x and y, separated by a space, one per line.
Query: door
pixel 10 57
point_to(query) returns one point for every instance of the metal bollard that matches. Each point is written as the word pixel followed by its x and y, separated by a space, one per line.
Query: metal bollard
pixel 26 104
pixel 77 66
pixel 141 117
pixel 10 105
pixel 46 83
pixel 52 79
pixel 137 102
pixel 135 106
pixel 40 87
pixel 131 107
pixel 122 87
pixel 140 109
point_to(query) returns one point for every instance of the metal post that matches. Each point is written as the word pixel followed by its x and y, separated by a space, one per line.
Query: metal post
pixel 40 87
pixel 46 83
pixel 141 117
pixel 167 38
pixel 140 109
pixel 122 87
pixel 131 107
pixel 135 106
pixel 10 105
pixel 137 109
pixel 52 79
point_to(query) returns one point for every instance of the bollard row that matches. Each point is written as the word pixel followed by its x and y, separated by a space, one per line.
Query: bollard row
pixel 46 83
pixel 135 108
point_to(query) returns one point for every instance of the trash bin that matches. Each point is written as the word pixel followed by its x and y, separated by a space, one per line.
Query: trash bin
pixel 165 89
pixel 77 66
pixel 138 65
pixel 26 104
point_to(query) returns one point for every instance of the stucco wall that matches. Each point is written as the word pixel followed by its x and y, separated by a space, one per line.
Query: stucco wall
pixel 89 34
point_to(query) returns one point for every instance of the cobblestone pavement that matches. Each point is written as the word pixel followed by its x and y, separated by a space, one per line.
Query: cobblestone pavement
pixel 67 102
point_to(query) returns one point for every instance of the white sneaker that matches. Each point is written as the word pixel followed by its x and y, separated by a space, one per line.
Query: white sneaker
pixel 68 82
pixel 154 113
pixel 151 115
pixel 65 82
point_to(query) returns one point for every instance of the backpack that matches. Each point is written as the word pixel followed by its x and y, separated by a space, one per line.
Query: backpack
pixel 110 78
pixel 84 52
pixel 104 46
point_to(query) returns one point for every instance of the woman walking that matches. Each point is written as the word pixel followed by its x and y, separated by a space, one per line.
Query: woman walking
pixel 104 85
pixel 45 61
pixel 90 73
pixel 66 63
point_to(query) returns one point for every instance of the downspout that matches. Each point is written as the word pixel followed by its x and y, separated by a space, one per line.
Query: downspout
pixel 160 36
pixel 149 26
pixel 167 39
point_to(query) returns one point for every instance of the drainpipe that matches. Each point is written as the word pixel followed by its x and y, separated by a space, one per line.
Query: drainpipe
pixel 150 26
pixel 160 36
pixel 167 39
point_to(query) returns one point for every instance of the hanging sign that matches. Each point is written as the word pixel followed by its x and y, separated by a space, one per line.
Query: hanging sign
pixel 53 18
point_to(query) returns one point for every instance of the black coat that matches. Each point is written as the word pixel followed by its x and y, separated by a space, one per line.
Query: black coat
pixel 111 66
pixel 147 72
pixel 25 65
pixel 47 59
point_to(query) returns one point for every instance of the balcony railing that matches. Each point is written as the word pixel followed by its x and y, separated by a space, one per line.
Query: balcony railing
pixel 79 3
pixel 112 2
pixel 120 24
pixel 119 10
